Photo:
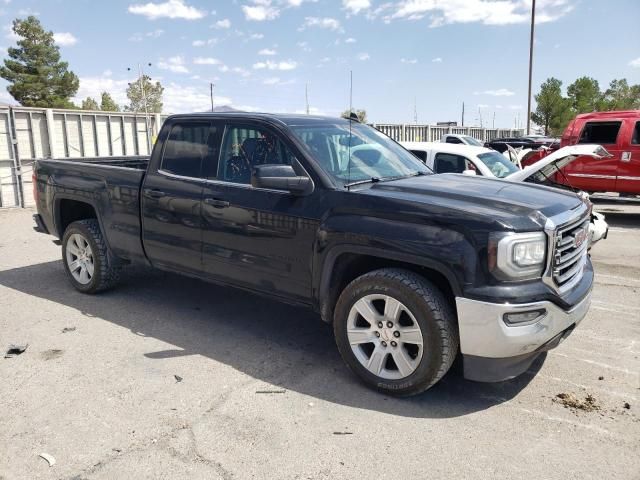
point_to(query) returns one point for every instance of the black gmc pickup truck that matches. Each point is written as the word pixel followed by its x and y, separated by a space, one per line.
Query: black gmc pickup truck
pixel 411 268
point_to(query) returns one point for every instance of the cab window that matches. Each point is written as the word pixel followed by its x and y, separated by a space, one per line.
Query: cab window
pixel 600 132
pixel 450 163
pixel 244 147
pixel 421 154
pixel 635 138
pixel 187 147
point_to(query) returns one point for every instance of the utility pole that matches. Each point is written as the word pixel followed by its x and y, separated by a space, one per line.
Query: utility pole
pixel 306 97
pixel 462 114
pixel 211 85
pixel 533 23
pixel 493 124
pixel 480 115
pixel 415 110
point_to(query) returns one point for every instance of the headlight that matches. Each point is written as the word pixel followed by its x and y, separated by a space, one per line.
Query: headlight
pixel 517 256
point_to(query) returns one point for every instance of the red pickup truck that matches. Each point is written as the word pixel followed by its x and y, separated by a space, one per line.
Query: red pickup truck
pixel 619 133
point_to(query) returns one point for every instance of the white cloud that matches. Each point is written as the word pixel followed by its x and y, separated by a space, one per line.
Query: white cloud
pixel 256 36
pixel 260 11
pixel 326 22
pixel 173 64
pixel 304 46
pixel 183 99
pixel 483 105
pixel 356 6
pixel 515 107
pixel 225 23
pixel 271 81
pixel 411 61
pixel 65 39
pixel 94 86
pixel 437 60
pixel 206 61
pixel 241 71
pixel 350 40
pixel 267 51
pixel 363 56
pixel 501 92
pixel 168 9
pixel 488 12
pixel 635 63
pixel 269 65
pixel 202 43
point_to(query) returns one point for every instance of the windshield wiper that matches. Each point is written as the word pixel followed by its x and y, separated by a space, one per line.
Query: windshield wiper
pixel 361 182
pixel 398 177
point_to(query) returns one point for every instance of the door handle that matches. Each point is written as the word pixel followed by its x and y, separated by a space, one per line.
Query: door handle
pixel 217 203
pixel 154 193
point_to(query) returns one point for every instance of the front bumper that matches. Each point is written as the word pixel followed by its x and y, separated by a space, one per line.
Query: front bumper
pixel 494 351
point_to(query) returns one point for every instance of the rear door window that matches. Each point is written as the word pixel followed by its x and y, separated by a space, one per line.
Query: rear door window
pixel 421 154
pixel 449 163
pixel 635 138
pixel 187 147
pixel 600 132
pixel 454 140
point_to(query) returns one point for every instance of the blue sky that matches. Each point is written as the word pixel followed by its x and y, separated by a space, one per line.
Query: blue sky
pixel 261 53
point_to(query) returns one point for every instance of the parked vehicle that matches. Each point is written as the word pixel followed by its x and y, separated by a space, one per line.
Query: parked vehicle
pixel 410 268
pixel 470 160
pixel 460 139
pixel 500 144
pixel 619 133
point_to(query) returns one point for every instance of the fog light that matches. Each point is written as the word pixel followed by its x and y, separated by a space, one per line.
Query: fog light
pixel 524 318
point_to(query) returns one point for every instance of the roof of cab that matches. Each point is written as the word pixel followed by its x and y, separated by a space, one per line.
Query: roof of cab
pixel 613 114
pixel 286 118
pixel 446 147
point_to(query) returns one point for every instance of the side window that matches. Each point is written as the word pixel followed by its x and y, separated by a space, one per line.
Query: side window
pixel 455 140
pixel 186 148
pixel 600 132
pixel 449 163
pixel 244 147
pixel 421 154
pixel 635 138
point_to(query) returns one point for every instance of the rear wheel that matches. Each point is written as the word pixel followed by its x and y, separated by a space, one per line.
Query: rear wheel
pixel 86 258
pixel 396 331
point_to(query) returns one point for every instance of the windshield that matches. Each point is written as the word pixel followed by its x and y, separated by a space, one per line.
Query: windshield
pixel 498 164
pixel 472 141
pixel 373 154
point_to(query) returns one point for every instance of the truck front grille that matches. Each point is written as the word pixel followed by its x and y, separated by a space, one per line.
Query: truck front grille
pixel 572 241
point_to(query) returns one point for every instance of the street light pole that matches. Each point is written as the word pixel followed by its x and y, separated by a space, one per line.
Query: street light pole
pixel 533 23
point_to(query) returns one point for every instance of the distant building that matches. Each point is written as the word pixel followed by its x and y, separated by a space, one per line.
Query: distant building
pixel 447 124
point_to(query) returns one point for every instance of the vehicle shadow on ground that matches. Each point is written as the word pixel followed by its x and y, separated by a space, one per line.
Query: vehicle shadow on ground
pixel 622 220
pixel 288 347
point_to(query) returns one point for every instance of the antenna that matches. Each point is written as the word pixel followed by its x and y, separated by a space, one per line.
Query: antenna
pixel 350 121
pixel 306 97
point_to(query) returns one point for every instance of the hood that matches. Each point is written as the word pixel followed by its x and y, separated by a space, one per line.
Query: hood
pixel 559 159
pixel 510 205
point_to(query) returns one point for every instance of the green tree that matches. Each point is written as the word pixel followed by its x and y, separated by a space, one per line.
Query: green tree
pixel 36 76
pixel 362 115
pixel 584 95
pixel 553 111
pixel 108 104
pixel 152 92
pixel 89 104
pixel 621 96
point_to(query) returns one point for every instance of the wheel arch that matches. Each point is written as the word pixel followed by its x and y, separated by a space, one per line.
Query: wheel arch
pixel 68 209
pixel 344 264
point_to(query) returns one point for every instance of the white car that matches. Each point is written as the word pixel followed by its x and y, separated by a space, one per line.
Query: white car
pixel 473 160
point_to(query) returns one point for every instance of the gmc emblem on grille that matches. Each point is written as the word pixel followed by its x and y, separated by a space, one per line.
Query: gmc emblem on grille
pixel 579 237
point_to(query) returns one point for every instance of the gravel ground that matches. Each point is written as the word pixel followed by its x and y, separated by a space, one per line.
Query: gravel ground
pixel 168 377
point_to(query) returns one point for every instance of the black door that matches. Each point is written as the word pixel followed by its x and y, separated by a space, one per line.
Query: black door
pixel 171 198
pixel 254 237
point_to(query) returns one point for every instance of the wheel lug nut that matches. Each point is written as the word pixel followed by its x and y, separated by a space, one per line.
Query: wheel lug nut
pixel 396 334
pixel 384 344
pixel 377 334
pixel 380 325
pixel 394 344
pixel 389 324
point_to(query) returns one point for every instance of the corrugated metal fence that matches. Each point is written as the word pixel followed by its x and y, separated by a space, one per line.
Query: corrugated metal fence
pixel 28 134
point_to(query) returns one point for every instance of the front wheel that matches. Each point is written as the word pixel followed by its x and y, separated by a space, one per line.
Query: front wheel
pixel 396 331
pixel 86 258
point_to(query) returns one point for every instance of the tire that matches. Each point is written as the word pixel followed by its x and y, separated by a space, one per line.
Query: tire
pixel 83 245
pixel 413 305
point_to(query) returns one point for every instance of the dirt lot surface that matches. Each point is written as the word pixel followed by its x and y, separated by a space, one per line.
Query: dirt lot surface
pixel 168 377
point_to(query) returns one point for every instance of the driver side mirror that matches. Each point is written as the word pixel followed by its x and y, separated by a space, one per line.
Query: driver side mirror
pixel 281 177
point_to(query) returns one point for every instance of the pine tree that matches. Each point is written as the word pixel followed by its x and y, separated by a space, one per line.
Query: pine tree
pixel 36 76
pixel 108 104
pixel 90 104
